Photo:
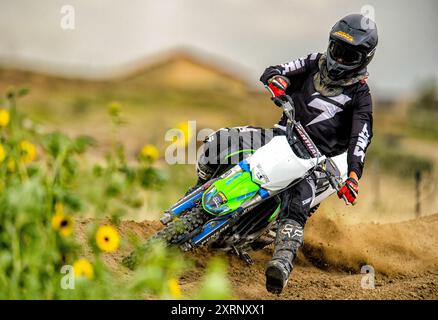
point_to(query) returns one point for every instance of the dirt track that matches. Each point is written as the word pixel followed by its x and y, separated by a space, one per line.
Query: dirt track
pixel 403 255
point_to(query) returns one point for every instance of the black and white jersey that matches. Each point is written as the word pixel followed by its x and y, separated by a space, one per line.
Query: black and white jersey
pixel 335 124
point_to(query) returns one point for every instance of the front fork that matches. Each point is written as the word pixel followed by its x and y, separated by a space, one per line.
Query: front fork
pixel 185 203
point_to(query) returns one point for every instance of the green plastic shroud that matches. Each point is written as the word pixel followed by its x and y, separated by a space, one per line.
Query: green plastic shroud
pixel 227 194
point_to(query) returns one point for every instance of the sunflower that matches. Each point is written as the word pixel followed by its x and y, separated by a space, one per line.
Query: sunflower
pixel 149 153
pixel 4 117
pixel 28 151
pixel 2 153
pixel 83 269
pixel 174 288
pixel 62 222
pixel 107 238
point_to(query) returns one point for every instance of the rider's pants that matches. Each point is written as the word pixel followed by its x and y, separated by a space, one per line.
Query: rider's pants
pixel 231 145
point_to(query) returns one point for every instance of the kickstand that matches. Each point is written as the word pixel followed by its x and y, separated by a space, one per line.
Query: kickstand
pixel 244 256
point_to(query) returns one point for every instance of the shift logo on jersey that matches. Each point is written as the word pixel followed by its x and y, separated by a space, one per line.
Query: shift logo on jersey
pixel 293 65
pixel 362 142
pixel 329 110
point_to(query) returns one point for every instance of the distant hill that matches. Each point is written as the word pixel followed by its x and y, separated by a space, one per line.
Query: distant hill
pixel 178 68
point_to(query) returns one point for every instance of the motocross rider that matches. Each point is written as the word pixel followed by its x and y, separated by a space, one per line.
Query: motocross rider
pixel 333 103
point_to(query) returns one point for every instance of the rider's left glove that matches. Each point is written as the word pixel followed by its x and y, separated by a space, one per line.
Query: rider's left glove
pixel 349 190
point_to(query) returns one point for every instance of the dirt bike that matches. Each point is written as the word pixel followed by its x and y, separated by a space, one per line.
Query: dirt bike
pixel 238 208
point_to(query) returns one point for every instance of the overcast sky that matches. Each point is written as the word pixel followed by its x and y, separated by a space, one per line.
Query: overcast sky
pixel 252 33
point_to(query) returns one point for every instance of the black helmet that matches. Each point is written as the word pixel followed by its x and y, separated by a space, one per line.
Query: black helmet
pixel 352 44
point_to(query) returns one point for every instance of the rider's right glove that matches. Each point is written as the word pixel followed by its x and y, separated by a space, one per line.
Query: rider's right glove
pixel 349 190
pixel 277 86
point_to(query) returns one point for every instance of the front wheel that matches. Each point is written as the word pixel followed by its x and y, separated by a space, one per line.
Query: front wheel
pixel 176 232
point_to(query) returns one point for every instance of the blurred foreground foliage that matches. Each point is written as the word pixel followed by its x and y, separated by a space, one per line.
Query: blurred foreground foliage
pixel 46 184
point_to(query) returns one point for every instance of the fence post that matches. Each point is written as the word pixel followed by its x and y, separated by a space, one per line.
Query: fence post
pixel 376 187
pixel 417 193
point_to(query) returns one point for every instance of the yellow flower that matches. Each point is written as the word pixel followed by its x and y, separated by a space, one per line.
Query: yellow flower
pixel 4 117
pixel 28 151
pixel 62 222
pixel 149 153
pixel 107 238
pixel 2 153
pixel 83 268
pixel 114 108
pixel 11 165
pixel 174 288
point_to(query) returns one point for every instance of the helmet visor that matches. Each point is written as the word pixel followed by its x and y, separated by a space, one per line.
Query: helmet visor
pixel 343 54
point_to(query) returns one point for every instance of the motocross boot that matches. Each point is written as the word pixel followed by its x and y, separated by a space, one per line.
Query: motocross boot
pixel 290 237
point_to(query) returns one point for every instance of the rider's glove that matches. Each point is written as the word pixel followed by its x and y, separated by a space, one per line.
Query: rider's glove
pixel 277 85
pixel 349 190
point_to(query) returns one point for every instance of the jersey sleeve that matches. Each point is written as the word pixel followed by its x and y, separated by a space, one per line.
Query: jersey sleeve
pixel 291 69
pixel 361 130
